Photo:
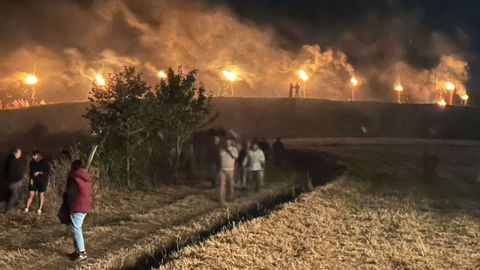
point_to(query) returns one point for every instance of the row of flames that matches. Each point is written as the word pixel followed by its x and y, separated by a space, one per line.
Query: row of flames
pixel 232 77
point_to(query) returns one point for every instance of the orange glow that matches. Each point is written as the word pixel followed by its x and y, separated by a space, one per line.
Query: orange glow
pixel 449 86
pixel 303 75
pixel 465 97
pixel 442 103
pixel 31 79
pixel 398 88
pixel 229 75
pixel 100 80
pixel 354 81
pixel 162 75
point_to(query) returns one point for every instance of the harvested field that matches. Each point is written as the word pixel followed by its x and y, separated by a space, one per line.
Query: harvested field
pixel 126 226
pixel 383 214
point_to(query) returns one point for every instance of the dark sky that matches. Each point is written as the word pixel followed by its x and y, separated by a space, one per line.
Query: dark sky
pixel 324 22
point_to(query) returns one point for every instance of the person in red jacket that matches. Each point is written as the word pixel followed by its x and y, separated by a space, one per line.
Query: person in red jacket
pixel 76 204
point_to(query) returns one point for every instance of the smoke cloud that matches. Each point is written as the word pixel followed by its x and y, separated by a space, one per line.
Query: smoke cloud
pixel 67 42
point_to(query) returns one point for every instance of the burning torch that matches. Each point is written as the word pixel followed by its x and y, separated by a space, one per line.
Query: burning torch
pixel 354 83
pixel 32 80
pixel 399 90
pixel 231 77
pixel 465 98
pixel 100 81
pixel 442 103
pixel 450 88
pixel 162 74
pixel 304 77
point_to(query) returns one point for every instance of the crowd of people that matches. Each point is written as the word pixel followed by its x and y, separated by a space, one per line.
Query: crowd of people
pixel 241 165
pixel 233 165
pixel 77 198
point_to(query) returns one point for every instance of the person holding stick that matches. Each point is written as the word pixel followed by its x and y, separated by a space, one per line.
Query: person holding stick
pixel 76 204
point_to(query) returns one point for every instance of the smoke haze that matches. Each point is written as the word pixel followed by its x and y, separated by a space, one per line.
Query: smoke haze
pixel 67 42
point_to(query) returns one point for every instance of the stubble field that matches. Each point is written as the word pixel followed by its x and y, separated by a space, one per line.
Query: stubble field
pixel 383 214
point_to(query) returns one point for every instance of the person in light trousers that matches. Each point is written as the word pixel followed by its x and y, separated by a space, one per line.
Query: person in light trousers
pixel 228 154
pixel 255 164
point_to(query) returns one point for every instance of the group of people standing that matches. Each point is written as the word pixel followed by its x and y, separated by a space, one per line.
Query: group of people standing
pixel 294 89
pixel 77 197
pixel 13 174
pixel 240 165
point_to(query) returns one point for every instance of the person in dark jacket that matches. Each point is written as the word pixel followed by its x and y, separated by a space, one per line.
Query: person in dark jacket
pixel 13 174
pixel 213 159
pixel 265 147
pixel 77 201
pixel 38 180
pixel 278 151
pixel 240 170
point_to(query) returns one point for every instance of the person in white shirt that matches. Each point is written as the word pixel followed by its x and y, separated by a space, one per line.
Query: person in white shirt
pixel 255 164
pixel 228 154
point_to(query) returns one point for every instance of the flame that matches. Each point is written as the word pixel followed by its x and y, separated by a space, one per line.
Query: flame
pixel 465 97
pixel 442 103
pixel 303 75
pixel 162 75
pixel 449 86
pixel 354 81
pixel 229 75
pixel 398 88
pixel 100 80
pixel 31 79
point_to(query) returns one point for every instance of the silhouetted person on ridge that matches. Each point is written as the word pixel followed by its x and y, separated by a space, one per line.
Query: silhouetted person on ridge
pixel 297 90
pixel 290 93
pixel 13 174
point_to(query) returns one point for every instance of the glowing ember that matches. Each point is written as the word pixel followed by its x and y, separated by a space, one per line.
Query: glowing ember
pixel 162 75
pixel 442 103
pixel 31 79
pixel 100 80
pixel 465 97
pixel 398 88
pixel 354 81
pixel 449 86
pixel 229 75
pixel 303 75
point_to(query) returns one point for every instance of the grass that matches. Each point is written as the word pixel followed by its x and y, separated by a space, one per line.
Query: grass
pixel 381 215
pixel 125 225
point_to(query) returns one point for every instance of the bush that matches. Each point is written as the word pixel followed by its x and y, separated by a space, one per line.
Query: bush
pixel 143 130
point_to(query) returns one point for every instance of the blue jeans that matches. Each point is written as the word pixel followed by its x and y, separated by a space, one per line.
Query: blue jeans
pixel 77 221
